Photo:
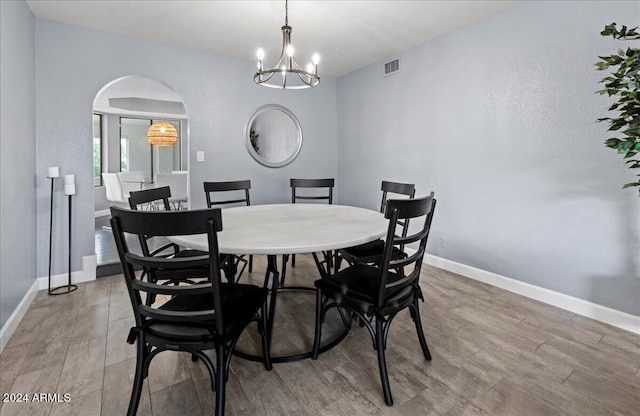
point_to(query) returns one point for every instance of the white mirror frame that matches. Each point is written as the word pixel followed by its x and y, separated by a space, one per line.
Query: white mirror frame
pixel 247 130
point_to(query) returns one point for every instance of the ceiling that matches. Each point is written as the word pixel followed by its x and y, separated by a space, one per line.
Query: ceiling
pixel 347 34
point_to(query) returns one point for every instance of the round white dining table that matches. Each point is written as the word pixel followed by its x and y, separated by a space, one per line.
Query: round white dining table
pixel 290 229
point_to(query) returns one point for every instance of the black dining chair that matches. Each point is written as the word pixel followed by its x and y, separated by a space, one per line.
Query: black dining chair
pixel 307 190
pixel 371 253
pixel 194 318
pixel 238 192
pixel 375 294
pixel 157 199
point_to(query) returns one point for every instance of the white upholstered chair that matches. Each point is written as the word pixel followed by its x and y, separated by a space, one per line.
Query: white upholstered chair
pixel 178 183
pixel 130 181
pixel 115 194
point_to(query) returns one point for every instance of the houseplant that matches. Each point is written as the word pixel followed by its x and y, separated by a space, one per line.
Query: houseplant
pixel 623 84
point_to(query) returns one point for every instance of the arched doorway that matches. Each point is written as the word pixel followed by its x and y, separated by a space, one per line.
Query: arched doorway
pixel 123 110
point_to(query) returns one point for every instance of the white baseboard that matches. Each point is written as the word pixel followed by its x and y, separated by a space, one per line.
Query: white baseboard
pixel 582 307
pixel 88 273
pixel 10 326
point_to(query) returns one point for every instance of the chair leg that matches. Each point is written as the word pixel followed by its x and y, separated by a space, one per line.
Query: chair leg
pixel 338 262
pixel 220 379
pixel 250 263
pixel 136 392
pixel 266 351
pixel 293 260
pixel 318 330
pixel 416 319
pixel 382 363
pixel 285 259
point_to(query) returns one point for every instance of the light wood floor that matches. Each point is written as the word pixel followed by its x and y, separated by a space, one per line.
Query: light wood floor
pixel 494 353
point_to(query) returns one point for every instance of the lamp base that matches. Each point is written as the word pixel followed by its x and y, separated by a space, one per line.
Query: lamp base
pixel 62 290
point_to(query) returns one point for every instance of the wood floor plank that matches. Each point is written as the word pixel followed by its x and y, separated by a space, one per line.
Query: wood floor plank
pixel 591 361
pixel 604 392
pixel 11 360
pixel 45 353
pixel 40 381
pixel 515 397
pixel 514 364
pixel 166 369
pixel 177 399
pixel 559 329
pixel 117 347
pixel 116 390
pixel 92 323
pixel 87 405
pixel 29 328
pixel 278 400
pixel 83 369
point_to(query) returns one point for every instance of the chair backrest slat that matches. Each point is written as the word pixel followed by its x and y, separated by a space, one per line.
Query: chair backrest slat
pixel 137 198
pixel 312 183
pixel 228 186
pixel 408 189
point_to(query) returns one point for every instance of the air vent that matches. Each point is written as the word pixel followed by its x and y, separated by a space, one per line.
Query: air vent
pixel 391 68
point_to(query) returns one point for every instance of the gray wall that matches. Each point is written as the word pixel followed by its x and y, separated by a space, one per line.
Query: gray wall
pixel 498 120
pixel 17 155
pixel 74 63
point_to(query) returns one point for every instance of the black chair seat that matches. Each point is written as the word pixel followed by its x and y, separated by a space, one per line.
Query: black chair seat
pixel 357 288
pixel 370 252
pixel 237 299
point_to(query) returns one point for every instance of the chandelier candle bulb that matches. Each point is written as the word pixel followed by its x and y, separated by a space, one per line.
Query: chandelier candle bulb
pixel 53 172
pixel 260 58
pixel 69 179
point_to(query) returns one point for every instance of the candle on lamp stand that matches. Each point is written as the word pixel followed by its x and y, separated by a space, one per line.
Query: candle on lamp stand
pixel 53 172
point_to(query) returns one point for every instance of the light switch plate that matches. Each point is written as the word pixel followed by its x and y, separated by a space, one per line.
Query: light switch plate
pixel 200 156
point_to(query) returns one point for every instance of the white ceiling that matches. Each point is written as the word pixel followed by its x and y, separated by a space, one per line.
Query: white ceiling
pixel 347 34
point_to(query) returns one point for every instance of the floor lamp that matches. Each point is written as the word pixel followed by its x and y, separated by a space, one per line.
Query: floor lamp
pixel 69 189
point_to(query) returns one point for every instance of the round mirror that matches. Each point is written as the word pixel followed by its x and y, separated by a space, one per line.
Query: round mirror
pixel 273 136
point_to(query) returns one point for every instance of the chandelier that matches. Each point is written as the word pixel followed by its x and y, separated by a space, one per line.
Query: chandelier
pixel 291 76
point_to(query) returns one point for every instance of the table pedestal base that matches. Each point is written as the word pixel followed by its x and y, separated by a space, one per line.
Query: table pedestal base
pixel 272 283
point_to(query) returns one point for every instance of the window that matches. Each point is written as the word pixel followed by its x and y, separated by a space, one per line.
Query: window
pixel 138 155
pixel 97 149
